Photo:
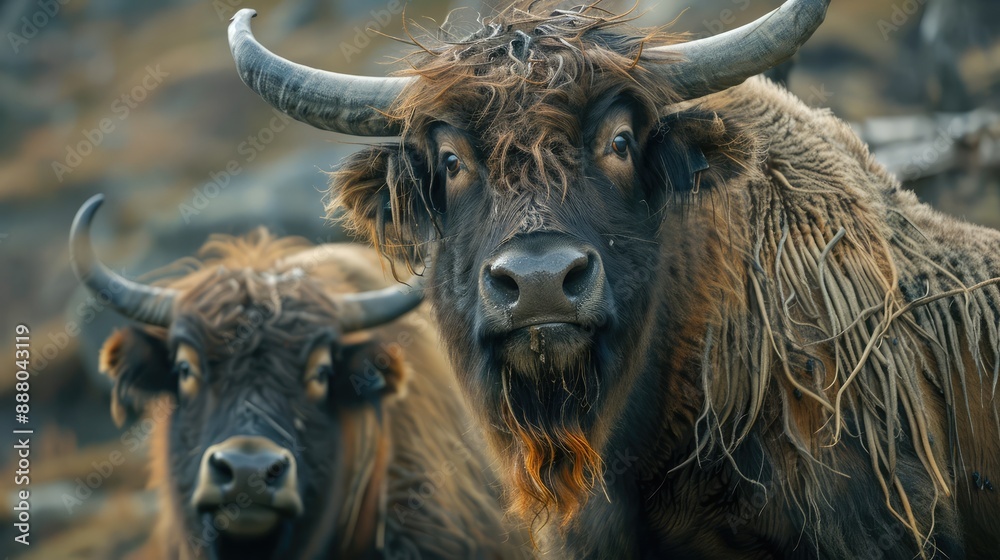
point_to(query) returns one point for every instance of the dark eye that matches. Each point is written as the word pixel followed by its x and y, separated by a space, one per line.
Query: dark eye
pixel 317 386
pixel 620 145
pixel 452 164
pixel 182 370
pixel 324 373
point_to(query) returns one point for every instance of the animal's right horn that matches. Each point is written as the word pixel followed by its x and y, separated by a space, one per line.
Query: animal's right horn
pixel 147 304
pixel 367 310
pixel 344 103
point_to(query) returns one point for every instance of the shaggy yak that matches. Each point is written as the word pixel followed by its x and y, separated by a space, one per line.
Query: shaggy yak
pixel 303 419
pixel 693 316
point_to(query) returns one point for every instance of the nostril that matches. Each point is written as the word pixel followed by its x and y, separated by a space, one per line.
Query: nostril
pixel 276 471
pixel 506 282
pixel 579 277
pixel 222 471
pixel 503 283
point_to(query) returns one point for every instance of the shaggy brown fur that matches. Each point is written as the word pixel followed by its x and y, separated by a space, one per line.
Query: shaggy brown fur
pixel 818 337
pixel 487 72
pixel 438 500
pixel 860 312
pixel 555 75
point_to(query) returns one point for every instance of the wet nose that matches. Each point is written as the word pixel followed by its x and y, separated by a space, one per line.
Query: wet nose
pixel 542 280
pixel 248 467
pixel 234 468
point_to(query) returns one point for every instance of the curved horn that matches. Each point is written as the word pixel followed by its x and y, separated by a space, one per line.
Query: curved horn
pixel 146 304
pixel 367 310
pixel 725 60
pixel 337 102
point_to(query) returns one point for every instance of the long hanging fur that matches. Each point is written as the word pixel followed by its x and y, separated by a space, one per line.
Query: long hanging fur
pixel 861 313
pixel 841 321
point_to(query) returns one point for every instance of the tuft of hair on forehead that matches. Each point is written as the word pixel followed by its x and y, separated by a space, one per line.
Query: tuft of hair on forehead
pixel 520 86
pixel 233 277
pixel 521 82
pixel 258 250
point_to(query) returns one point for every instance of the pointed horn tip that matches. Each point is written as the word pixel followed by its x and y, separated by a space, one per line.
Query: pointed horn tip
pixel 378 307
pixel 88 208
pixel 146 304
pixel 718 62
pixel 79 233
pixel 243 16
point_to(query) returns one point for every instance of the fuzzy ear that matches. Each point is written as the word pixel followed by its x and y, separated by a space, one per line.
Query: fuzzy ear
pixel 385 193
pixel 694 150
pixel 139 364
pixel 375 369
pixel 675 159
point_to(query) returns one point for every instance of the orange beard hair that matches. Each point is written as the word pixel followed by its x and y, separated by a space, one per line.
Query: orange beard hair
pixel 555 471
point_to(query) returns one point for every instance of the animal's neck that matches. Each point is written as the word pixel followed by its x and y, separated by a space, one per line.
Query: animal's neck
pixel 658 424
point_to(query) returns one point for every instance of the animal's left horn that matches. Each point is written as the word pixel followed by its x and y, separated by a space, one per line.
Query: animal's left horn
pixel 715 63
pixel 344 103
pixel 367 310
pixel 147 304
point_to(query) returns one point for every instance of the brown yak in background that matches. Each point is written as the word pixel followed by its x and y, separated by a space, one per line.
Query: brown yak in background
pixel 693 316
pixel 301 411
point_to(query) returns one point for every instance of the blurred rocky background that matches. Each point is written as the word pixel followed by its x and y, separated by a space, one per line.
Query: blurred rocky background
pixel 140 101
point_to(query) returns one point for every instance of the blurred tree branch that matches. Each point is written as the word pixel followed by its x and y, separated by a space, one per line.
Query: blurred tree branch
pixel 917 146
